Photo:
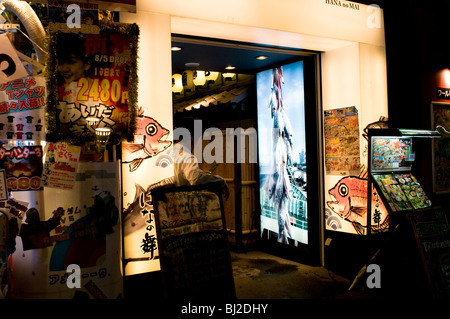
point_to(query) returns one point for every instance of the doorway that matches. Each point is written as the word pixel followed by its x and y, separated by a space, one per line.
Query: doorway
pixel 216 81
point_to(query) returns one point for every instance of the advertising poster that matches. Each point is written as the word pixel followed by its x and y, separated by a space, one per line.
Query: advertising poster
pixel 440 116
pixel 72 248
pixel 23 167
pixel 22 109
pixel 341 129
pixel 92 82
pixel 60 166
pixel 282 153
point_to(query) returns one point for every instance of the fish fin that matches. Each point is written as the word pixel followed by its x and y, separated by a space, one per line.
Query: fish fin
pixel 358 210
pixel 132 148
pixel 359 228
pixel 134 165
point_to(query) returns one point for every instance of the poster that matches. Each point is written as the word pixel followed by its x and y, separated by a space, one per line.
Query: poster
pixel 341 130
pixel 440 116
pixel 23 167
pixel 60 166
pixel 92 82
pixel 78 228
pixel 282 153
pixel 22 109
pixel 3 188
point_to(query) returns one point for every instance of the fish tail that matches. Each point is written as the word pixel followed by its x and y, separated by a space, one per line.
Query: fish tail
pixel 134 165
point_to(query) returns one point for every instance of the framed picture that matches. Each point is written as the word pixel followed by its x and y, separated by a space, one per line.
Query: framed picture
pixel 440 116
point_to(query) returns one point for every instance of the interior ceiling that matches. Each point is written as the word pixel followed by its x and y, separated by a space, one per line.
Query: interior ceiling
pixel 216 55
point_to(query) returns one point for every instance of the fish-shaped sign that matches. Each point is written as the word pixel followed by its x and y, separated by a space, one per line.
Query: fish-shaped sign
pixel 149 140
pixel 350 203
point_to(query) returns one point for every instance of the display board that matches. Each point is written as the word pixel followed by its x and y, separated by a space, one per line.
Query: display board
pixel 432 233
pixel 391 153
pixel 402 191
pixel 193 245
pixel 440 116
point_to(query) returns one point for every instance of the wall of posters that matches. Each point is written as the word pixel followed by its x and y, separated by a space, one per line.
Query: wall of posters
pixel 341 130
pixel 440 115
pixel 282 153
pixel 22 109
pixel 92 82
pixel 78 227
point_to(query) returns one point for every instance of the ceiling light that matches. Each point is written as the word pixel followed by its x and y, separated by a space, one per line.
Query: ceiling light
pixel 261 57
pixel 230 67
pixel 192 64
pixel 176 48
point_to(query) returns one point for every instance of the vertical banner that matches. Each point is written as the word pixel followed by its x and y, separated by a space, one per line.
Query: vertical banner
pixel 92 82
pixel 148 151
pixel 73 248
pixel 22 109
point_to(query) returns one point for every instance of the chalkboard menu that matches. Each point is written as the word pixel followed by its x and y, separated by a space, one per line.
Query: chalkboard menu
pixel 433 237
pixel 193 244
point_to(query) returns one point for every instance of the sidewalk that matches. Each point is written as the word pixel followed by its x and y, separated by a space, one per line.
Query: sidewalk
pixel 258 275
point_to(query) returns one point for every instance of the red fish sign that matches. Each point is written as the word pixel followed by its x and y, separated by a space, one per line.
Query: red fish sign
pixel 149 140
pixel 350 203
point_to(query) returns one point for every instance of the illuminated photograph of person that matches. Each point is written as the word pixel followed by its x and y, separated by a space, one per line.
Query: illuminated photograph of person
pixel 282 155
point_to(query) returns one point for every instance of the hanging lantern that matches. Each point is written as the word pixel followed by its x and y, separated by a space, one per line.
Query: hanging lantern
pixel 211 76
pixel 92 121
pixel 188 83
pixel 199 78
pixel 102 135
pixel 229 76
pixel 177 83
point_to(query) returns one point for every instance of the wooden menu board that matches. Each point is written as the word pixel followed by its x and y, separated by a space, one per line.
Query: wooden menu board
pixel 432 233
pixel 193 244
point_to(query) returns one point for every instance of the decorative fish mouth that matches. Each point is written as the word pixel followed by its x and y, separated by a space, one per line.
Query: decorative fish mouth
pixel 163 140
pixel 335 205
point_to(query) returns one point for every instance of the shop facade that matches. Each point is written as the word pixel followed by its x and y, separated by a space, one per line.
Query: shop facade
pixel 349 69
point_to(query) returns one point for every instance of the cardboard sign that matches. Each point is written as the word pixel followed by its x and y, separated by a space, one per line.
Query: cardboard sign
pixel 10 66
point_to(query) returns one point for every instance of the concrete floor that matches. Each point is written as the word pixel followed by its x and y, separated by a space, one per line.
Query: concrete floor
pixel 258 275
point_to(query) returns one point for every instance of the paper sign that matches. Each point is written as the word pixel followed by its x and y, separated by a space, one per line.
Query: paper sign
pixel 11 67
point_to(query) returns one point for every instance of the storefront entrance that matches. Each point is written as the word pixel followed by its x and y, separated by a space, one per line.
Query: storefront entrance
pixel 231 87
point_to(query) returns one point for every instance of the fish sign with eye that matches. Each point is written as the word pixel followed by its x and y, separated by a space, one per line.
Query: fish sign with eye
pixel 149 141
pixel 350 202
